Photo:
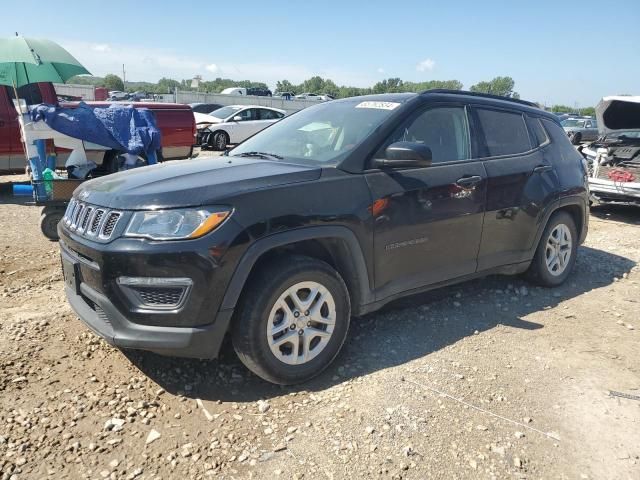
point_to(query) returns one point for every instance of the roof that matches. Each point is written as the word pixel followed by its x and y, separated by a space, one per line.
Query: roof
pixel 381 97
pixel 256 106
pixel 480 94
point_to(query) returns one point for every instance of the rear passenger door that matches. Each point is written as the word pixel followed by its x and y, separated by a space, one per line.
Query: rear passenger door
pixel 521 183
pixel 428 221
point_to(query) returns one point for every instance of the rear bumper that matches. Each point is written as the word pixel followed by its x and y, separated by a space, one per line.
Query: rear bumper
pixel 104 319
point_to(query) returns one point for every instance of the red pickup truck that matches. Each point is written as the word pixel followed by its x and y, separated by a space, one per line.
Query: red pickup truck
pixel 175 121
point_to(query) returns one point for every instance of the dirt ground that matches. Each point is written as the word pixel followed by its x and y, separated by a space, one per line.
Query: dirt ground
pixel 490 379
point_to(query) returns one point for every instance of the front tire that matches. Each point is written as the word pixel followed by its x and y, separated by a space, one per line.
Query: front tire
pixel 556 253
pixel 219 141
pixel 292 321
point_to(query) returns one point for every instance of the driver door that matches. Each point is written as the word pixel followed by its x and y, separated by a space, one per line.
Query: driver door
pixel 428 221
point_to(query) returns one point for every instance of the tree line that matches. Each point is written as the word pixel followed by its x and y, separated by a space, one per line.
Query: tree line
pixel 501 86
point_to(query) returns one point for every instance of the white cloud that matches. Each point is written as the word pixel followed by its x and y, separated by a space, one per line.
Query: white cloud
pixel 101 47
pixel 425 65
pixel 380 70
pixel 151 64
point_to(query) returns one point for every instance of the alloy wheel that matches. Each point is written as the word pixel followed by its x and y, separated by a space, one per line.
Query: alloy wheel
pixel 558 249
pixel 301 323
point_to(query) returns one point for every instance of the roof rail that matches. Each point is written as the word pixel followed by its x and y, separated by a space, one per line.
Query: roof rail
pixel 480 94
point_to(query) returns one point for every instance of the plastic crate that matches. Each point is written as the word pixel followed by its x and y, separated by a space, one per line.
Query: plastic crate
pixel 57 190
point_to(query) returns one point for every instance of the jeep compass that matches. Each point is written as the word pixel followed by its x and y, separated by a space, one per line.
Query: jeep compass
pixel 330 213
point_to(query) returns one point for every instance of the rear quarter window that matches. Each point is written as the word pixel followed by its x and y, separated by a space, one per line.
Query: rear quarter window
pixel 538 133
pixel 504 133
pixel 563 152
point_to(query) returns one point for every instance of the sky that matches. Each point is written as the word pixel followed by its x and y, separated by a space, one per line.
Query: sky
pixel 558 52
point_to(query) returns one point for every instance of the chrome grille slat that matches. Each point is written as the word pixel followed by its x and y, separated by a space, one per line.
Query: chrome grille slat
pixel 110 225
pixel 96 221
pixel 85 218
pixel 77 215
pixel 70 211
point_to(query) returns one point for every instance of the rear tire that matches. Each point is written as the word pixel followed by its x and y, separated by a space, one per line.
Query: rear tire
pixel 282 331
pixel 577 138
pixel 556 253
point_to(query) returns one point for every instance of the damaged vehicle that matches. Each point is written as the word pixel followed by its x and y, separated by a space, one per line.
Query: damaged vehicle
pixel 614 159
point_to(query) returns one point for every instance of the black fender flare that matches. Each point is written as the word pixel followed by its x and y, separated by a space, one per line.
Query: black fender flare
pixel 571 200
pixel 263 245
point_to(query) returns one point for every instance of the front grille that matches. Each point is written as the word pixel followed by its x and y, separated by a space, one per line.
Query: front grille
pixel 95 223
pixel 90 221
pixel 85 219
pixel 110 224
pixel 76 216
pixel 160 296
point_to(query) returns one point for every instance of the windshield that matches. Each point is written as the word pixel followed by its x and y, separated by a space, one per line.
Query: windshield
pixel 573 123
pixel 224 112
pixel 323 134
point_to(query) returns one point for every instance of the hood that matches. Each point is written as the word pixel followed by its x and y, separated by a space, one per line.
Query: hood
pixel 188 183
pixel 618 114
pixel 202 118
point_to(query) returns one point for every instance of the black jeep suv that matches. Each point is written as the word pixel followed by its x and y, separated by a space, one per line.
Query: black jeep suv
pixel 330 213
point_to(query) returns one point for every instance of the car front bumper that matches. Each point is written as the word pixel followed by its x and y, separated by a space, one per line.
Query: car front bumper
pixel 106 321
pixel 100 285
pixel 608 190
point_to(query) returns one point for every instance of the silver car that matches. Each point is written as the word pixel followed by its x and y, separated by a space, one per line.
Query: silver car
pixel 580 129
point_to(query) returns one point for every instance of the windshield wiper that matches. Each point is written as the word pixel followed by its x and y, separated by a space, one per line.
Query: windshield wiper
pixel 264 155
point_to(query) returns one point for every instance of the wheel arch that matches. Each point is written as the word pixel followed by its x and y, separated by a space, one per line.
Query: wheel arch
pixel 335 245
pixel 574 206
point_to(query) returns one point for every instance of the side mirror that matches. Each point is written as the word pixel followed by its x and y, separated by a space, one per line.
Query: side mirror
pixel 405 155
pixel 237 118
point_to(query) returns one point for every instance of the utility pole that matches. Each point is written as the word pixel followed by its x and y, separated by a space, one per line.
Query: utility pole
pixel 124 77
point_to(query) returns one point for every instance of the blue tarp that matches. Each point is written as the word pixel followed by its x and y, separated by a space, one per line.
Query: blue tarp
pixel 121 127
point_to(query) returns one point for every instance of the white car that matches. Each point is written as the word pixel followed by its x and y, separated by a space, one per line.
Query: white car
pixel 234 91
pixel 234 124
pixel 315 96
pixel 118 95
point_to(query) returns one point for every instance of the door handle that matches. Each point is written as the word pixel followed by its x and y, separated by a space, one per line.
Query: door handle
pixel 469 181
pixel 542 168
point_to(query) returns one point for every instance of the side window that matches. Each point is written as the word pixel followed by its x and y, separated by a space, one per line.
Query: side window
pixel 248 114
pixel 565 153
pixel 589 125
pixel 266 114
pixel 539 134
pixel 505 133
pixel 444 130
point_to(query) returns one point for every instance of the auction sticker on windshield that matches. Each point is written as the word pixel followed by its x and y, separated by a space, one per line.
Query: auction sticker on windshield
pixel 378 105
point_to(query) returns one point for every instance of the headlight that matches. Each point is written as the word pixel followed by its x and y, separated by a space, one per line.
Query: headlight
pixel 176 224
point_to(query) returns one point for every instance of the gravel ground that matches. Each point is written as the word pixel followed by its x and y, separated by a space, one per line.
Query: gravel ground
pixel 490 379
